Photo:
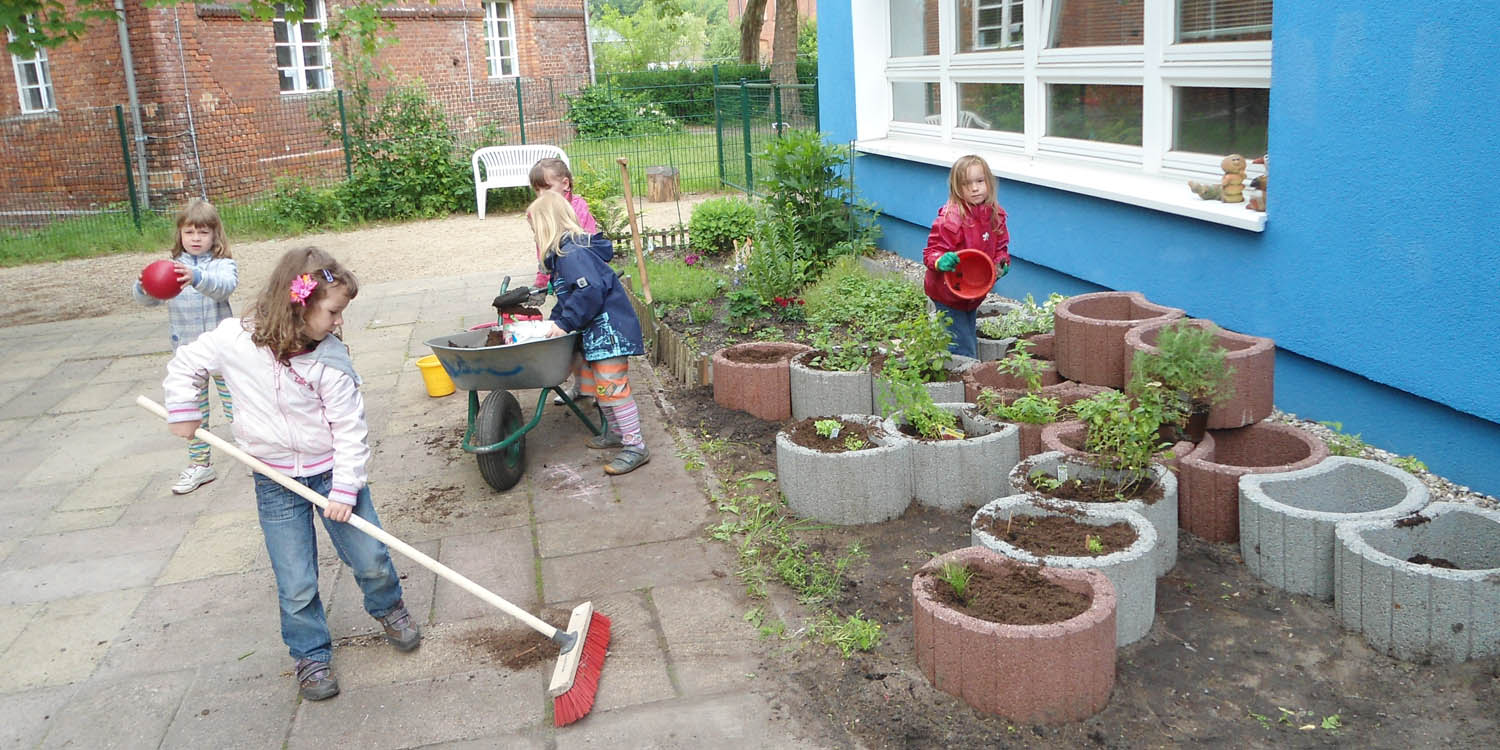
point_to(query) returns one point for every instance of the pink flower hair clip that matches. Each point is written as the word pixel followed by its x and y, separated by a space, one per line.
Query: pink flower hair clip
pixel 302 286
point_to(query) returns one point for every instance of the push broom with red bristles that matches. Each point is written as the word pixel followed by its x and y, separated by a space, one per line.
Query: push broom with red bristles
pixel 585 643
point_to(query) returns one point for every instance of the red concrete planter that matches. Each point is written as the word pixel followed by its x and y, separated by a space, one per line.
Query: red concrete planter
pixel 1033 674
pixel 761 388
pixel 1253 359
pixel 1090 334
pixel 1069 437
pixel 1208 482
pixel 989 375
pixel 1042 344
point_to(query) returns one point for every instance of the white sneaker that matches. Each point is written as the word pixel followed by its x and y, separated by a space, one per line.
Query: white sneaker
pixel 192 478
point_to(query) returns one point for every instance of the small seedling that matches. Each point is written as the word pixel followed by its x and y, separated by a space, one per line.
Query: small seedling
pixel 1342 444
pixel 1265 721
pixel 1092 544
pixel 1410 464
pixel 1044 481
pixel 828 428
pixel 1332 722
pixel 957 576
pixel 854 443
pixel 1288 716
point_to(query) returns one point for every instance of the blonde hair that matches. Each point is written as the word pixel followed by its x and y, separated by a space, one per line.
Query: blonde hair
pixel 956 178
pixel 278 321
pixel 543 172
pixel 552 221
pixel 201 213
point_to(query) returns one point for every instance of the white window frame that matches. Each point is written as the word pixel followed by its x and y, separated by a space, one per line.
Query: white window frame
pixel 294 40
pixel 1150 174
pixel 1006 27
pixel 43 76
pixel 492 39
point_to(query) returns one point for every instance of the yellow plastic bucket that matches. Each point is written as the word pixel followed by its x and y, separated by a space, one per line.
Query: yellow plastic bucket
pixel 434 376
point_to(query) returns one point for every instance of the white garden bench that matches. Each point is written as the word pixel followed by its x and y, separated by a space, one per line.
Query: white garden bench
pixel 508 166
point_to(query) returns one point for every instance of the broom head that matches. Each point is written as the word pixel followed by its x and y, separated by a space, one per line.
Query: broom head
pixel 575 679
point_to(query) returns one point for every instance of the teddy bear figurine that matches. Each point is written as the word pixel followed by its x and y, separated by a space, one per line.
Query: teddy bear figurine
pixel 1232 184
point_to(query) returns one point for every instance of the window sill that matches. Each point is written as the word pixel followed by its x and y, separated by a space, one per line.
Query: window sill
pixel 1157 192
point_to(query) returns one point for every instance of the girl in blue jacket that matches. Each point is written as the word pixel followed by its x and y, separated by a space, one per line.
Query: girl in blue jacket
pixel 591 300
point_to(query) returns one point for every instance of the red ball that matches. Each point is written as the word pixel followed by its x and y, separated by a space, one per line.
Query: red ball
pixel 160 280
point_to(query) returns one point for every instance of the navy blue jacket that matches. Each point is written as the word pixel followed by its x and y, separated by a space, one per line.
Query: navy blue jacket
pixel 590 298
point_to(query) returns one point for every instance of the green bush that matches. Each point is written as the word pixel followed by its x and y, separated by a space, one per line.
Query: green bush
pixel 687 93
pixel 599 112
pixel 809 182
pixel 295 202
pixel 718 223
pixel 782 261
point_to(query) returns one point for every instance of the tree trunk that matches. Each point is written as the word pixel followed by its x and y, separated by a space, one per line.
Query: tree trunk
pixel 750 22
pixel 784 61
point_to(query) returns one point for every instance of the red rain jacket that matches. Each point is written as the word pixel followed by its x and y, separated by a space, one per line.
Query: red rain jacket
pixel 953 231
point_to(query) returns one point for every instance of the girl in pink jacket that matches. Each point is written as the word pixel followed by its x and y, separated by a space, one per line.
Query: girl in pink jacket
pixel 971 218
pixel 298 409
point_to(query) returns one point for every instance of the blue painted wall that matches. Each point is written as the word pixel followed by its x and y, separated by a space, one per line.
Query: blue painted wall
pixel 1377 273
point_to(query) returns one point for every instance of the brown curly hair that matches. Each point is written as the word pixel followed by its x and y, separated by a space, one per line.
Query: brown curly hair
pixel 276 322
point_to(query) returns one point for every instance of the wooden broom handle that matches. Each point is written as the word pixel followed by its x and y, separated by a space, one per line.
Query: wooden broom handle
pixel 635 229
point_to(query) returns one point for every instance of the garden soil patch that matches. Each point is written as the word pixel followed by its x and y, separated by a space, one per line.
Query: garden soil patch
pixel 805 434
pixel 1225 655
pixel 1059 536
pixel 1020 598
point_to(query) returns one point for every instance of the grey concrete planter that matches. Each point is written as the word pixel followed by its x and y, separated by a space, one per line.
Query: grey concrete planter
pixel 948 391
pixel 819 393
pixel 957 474
pixel 865 486
pixel 1421 612
pixel 1162 513
pixel 1131 570
pixel 992 349
pixel 1287 519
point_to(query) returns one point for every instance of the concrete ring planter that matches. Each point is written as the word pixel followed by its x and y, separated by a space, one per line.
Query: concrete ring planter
pixel 956 474
pixel 817 393
pixel 943 392
pixel 1287 519
pixel 1069 437
pixel 1090 331
pixel 992 349
pixel 1131 570
pixel 989 375
pixel 1032 674
pixel 865 486
pixel 1208 478
pixel 1043 345
pixel 1162 513
pixel 1422 612
pixel 1253 359
pixel 1066 392
pixel 762 389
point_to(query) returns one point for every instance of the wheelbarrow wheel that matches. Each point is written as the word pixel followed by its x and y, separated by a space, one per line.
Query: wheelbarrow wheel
pixel 500 417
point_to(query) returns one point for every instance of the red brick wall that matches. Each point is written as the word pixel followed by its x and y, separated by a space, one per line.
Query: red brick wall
pixel 247 131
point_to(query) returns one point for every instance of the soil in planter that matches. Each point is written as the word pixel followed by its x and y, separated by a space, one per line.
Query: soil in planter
pixel 1436 562
pixel 1099 491
pixel 911 432
pixel 1020 598
pixel 805 434
pixel 757 356
pixel 1058 536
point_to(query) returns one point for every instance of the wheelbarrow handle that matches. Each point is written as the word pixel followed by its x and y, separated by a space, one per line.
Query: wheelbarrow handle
pixel 307 494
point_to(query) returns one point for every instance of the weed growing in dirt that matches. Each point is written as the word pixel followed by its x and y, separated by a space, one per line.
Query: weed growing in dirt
pixel 1410 464
pixel 957 576
pixel 850 634
pixel 1342 444
pixel 854 443
pixel 1092 544
pixel 692 460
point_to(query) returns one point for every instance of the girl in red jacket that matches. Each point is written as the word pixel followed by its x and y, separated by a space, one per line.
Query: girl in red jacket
pixel 970 219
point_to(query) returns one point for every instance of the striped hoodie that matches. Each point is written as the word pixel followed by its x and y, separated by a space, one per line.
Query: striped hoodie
pixel 205 302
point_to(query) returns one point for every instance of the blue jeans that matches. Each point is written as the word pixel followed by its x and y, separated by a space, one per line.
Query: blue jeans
pixel 287 521
pixel 961 326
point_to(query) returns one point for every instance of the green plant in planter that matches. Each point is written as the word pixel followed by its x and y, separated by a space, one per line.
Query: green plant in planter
pixel 1092 544
pixel 718 223
pixel 1123 435
pixel 1188 361
pixel 1026 320
pixel 835 354
pixel 1029 408
pixel 855 443
pixel 957 576
pixel 916 406
pixel 921 350
pixel 1020 364
pixel 828 428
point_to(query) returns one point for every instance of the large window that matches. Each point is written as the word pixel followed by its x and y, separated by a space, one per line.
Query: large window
pixel 302 62
pixel 34 81
pixel 1166 86
pixel 500 38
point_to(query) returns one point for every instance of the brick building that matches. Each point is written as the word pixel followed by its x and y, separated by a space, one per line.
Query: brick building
pixel 225 102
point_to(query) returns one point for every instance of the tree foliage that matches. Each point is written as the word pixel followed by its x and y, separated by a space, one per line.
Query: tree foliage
pixel 659 32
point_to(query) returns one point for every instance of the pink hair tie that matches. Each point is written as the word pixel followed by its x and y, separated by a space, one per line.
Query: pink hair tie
pixel 302 286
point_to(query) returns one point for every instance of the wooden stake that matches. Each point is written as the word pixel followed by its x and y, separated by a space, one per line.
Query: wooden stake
pixel 635 229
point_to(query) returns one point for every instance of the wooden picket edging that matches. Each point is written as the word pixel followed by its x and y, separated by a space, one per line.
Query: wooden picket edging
pixel 667 347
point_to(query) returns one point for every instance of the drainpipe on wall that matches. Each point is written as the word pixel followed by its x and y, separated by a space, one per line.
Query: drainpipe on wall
pixel 187 102
pixel 128 63
pixel 588 40
pixel 468 64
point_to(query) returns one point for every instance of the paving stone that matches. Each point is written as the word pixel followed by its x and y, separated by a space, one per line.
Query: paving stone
pixel 51 388
pixel 119 540
pixel 499 561
pixel 222 620
pixel 711 645
pixel 218 544
pixel 132 712
pixel 344 601
pixel 28 714
pixel 232 706
pixel 104 489
pixel 739 720
pixel 64 640
pixel 636 671
pixel 63 521
pixel 13 620
pixel 92 397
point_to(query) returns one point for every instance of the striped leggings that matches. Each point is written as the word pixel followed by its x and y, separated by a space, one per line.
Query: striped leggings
pixel 609 381
pixel 197 449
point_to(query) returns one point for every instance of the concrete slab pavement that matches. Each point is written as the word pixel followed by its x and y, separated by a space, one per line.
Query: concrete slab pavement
pixel 130 617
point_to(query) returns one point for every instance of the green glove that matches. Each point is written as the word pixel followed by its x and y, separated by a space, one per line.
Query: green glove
pixel 947 261
pixel 1004 269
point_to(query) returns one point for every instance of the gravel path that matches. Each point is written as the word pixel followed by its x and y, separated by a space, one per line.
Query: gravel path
pixel 94 287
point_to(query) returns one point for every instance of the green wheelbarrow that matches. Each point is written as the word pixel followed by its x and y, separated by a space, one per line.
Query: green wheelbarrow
pixel 496 433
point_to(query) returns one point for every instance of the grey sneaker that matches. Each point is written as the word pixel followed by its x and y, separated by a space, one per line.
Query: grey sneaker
pixel 315 680
pixel 631 458
pixel 610 439
pixel 400 630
